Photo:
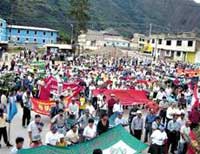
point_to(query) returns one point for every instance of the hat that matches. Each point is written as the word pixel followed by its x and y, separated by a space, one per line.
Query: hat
pixel 139 112
pixel 112 95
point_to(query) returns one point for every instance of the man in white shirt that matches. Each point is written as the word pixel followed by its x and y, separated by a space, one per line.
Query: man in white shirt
pixel 73 109
pixel 35 128
pixel 52 137
pixel 72 135
pixel 171 110
pixel 184 138
pixel 158 139
pixel 90 130
pixel 120 120
pixel 19 145
pixel 117 108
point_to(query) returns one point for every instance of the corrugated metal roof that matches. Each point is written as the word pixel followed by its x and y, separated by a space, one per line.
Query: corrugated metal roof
pixel 31 28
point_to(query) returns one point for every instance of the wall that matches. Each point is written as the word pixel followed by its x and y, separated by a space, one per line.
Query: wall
pixel 31 36
pixel 3 26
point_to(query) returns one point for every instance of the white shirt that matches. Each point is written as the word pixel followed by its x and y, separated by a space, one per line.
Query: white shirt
pixel 117 108
pixel 51 138
pixel 158 137
pixel 121 121
pixel 91 109
pixel 33 128
pixel 89 132
pixel 14 150
pixel 170 112
pixel 185 131
pixel 72 137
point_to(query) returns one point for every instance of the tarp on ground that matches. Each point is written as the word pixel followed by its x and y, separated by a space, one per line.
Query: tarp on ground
pixel 126 97
pixel 116 140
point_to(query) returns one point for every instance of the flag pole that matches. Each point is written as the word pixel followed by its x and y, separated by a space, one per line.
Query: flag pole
pixel 9 128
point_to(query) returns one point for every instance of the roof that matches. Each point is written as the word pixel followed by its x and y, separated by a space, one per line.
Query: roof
pixel 60 46
pixel 31 28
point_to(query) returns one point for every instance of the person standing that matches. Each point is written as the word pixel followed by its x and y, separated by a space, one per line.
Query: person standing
pixel 27 105
pixel 3 128
pixel 35 129
pixel 19 145
pixel 73 109
pixel 184 138
pixel 158 141
pixel 137 125
pixel 148 124
pixel 111 103
pixel 173 128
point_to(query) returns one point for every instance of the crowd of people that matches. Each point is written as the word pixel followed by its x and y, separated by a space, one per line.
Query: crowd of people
pixel 166 129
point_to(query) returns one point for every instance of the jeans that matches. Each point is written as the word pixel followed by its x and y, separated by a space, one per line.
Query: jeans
pixel 182 148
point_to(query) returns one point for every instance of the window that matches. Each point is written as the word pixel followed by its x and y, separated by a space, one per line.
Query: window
pixel 35 40
pixel 18 31
pixel 44 33
pixel 18 39
pixel 167 52
pixel 160 41
pixel 168 42
pixel 140 39
pixel 43 41
pixel 153 41
pixel 190 43
pixel 9 38
pixel 35 32
pixel 51 33
pixel 27 32
pixel 178 43
pixel 9 30
pixel 27 39
pixel 51 41
pixel 1 24
pixel 178 53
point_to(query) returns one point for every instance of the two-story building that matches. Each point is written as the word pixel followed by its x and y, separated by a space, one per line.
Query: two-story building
pixel 94 40
pixel 179 47
pixel 26 34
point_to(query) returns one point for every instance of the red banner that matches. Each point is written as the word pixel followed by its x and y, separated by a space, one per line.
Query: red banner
pixel 41 106
pixel 52 84
pixel 126 97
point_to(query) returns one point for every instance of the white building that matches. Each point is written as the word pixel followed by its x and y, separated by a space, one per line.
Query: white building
pixel 93 40
pixel 138 41
pixel 181 47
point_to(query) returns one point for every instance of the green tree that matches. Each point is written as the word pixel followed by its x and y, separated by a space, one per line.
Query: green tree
pixel 79 11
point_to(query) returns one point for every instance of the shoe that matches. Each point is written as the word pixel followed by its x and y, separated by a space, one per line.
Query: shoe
pixel 9 145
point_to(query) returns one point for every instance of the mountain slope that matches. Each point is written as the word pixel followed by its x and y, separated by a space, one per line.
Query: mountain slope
pixel 126 16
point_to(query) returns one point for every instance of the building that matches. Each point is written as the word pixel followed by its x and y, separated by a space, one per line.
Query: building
pixel 94 40
pixel 179 47
pixel 138 41
pixel 26 34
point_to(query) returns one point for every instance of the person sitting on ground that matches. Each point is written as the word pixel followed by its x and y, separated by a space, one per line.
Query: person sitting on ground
pixel 52 136
pixel 19 145
pixel 120 120
pixel 72 135
pixel 97 151
pixel 90 130
pixel 103 124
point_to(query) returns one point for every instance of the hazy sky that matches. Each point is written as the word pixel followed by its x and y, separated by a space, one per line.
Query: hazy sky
pixel 198 1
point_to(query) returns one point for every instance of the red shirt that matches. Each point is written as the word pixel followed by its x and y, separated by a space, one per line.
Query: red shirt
pixel 111 102
pixel 194 116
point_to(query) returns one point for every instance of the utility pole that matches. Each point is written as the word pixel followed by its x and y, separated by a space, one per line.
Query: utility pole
pixel 150 30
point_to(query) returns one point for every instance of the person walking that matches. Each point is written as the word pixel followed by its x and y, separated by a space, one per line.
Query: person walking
pixel 137 125
pixel 148 124
pixel 27 105
pixel 3 128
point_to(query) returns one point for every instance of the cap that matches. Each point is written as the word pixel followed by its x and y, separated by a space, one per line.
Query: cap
pixel 139 112
pixel 112 95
